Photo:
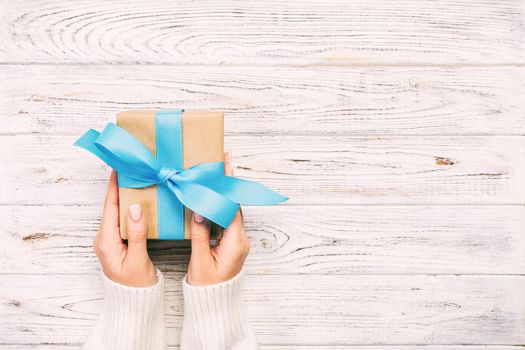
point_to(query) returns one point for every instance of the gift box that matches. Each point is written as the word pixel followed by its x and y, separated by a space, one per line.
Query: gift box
pixel 171 163
pixel 202 141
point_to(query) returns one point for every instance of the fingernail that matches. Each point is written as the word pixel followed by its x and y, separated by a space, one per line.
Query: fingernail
pixel 198 218
pixel 135 212
pixel 228 158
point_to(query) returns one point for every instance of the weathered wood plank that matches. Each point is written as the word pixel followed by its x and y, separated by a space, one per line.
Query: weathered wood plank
pixel 311 170
pixel 302 347
pixel 294 239
pixel 252 32
pixel 268 100
pixel 313 310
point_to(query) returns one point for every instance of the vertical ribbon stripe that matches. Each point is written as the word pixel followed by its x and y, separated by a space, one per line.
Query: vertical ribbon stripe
pixel 168 138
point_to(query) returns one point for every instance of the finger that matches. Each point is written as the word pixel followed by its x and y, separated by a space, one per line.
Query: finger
pixel 110 216
pixel 228 171
pixel 200 237
pixel 237 224
pixel 137 227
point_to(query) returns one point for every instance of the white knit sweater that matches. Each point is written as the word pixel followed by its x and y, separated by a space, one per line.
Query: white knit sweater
pixel 133 318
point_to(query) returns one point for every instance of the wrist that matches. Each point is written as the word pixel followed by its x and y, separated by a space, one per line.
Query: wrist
pixel 203 279
pixel 154 285
pixel 143 275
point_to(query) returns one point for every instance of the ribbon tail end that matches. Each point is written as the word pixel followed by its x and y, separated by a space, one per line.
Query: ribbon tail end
pixel 267 197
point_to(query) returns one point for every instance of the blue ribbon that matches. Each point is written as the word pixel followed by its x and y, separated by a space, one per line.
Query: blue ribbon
pixel 202 188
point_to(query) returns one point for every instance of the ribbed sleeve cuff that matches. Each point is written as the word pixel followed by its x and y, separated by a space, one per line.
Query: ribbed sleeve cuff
pixel 132 318
pixel 215 317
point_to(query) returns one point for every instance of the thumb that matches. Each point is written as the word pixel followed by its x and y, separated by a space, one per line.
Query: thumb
pixel 200 237
pixel 137 232
pixel 237 224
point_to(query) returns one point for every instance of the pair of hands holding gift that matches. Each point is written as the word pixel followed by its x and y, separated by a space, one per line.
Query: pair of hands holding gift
pixel 130 264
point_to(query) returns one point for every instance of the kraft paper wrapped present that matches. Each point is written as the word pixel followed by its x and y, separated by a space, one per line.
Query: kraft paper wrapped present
pixel 202 141
pixel 171 162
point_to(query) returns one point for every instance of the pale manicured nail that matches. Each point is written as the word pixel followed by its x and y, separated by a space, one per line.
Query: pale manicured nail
pixel 135 212
pixel 229 158
pixel 198 218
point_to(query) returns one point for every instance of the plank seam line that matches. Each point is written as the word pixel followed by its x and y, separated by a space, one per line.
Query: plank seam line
pixel 97 273
pixel 306 346
pixel 345 135
pixel 277 65
pixel 408 205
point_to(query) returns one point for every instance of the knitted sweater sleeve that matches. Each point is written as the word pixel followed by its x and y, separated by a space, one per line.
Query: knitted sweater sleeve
pixel 215 317
pixel 132 318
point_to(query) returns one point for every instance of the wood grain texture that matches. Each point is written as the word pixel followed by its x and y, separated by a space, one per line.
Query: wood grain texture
pixel 294 239
pixel 310 170
pixel 271 32
pixel 396 127
pixel 353 310
pixel 299 347
pixel 268 100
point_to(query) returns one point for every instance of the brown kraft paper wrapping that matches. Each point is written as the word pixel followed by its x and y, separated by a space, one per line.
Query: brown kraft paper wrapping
pixel 202 141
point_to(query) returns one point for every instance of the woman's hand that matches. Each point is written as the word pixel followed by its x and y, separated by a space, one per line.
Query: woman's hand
pixel 126 264
pixel 210 265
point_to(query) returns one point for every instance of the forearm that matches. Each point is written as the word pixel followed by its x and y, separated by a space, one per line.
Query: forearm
pixel 131 319
pixel 215 317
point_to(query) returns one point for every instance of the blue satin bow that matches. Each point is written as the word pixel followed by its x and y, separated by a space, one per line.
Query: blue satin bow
pixel 202 188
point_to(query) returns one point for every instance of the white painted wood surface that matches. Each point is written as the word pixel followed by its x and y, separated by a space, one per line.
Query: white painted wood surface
pixel 409 309
pixel 67 99
pixel 344 240
pixel 271 32
pixel 396 127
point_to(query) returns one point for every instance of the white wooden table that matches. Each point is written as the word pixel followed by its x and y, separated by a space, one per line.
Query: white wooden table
pixel 397 127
